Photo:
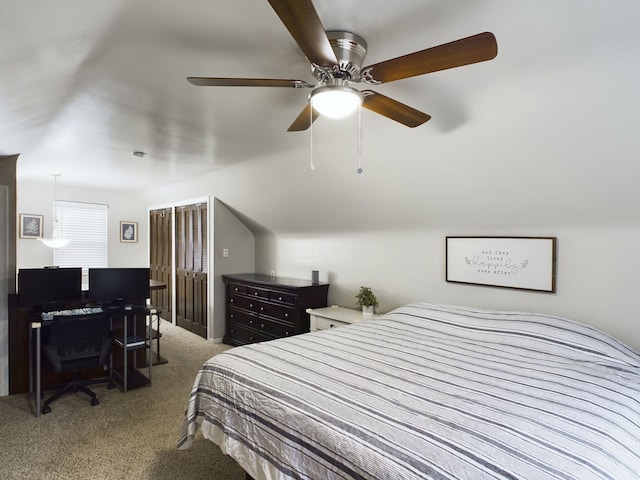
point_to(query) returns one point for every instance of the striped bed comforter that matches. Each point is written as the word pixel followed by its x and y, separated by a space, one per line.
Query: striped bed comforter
pixel 427 392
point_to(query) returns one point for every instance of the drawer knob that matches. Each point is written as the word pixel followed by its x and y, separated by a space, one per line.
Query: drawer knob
pixel 331 325
pixel 286 315
pixel 255 293
pixel 286 333
pixel 251 305
pixel 232 316
pixel 250 322
pixel 262 325
pixel 280 298
pixel 236 289
pixel 231 301
pixel 262 309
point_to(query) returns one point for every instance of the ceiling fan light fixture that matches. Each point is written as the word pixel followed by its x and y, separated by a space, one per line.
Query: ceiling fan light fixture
pixel 335 101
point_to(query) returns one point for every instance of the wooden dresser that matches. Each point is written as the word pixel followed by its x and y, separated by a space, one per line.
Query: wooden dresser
pixel 260 307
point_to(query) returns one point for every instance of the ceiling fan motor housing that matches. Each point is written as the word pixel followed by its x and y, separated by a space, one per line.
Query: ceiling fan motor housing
pixel 350 50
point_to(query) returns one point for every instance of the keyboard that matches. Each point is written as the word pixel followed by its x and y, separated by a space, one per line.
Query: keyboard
pixel 72 311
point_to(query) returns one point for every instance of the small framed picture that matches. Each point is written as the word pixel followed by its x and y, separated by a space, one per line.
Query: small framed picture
pixel 30 225
pixel 128 232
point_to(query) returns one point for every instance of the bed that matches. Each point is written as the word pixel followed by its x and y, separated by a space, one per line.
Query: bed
pixel 426 392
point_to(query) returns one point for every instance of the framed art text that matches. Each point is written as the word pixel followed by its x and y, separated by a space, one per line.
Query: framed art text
pixel 527 263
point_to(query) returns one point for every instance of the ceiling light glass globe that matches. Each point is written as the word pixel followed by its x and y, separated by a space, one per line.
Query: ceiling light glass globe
pixel 335 101
pixel 54 242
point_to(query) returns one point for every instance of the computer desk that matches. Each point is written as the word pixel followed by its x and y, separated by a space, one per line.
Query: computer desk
pixel 138 379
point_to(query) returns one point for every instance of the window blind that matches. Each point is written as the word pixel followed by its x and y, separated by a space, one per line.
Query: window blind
pixel 85 224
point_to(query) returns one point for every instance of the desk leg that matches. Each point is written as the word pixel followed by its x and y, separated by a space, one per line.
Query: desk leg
pixel 38 393
pixel 158 339
pixel 126 355
pixel 111 384
pixel 149 348
pixel 38 371
pixel 30 361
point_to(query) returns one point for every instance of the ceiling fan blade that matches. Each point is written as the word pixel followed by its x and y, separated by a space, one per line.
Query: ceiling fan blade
pixel 302 21
pixel 474 49
pixel 393 109
pixel 304 120
pixel 246 82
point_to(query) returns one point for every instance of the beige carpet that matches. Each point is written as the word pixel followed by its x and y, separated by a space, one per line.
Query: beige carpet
pixel 127 436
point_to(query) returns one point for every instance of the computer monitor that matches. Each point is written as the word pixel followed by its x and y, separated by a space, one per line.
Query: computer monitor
pixel 48 287
pixel 118 285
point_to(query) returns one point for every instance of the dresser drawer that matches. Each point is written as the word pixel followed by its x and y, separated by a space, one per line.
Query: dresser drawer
pixel 283 297
pixel 237 288
pixel 258 292
pixel 327 323
pixel 280 312
pixel 240 301
pixel 275 329
pixel 240 317
pixel 243 335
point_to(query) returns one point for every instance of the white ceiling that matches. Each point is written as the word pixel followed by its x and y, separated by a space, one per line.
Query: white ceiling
pixel 84 84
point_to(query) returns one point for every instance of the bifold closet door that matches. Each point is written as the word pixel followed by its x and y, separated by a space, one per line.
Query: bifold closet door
pixel 161 244
pixel 191 268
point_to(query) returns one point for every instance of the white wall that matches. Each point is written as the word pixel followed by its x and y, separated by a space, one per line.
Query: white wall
pixel 393 241
pixel 597 272
pixel 37 198
pixel 229 233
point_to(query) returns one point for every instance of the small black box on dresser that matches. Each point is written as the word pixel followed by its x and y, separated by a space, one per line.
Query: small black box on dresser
pixel 261 307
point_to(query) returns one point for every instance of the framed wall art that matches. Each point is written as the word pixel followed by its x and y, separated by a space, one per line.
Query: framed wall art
pixel 128 232
pixel 526 263
pixel 31 225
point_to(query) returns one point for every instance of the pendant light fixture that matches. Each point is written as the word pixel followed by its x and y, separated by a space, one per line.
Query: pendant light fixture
pixel 55 241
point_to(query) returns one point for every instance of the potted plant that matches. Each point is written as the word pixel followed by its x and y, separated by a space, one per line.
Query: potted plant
pixel 367 300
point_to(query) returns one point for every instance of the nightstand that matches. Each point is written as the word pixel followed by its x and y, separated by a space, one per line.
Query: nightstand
pixel 332 317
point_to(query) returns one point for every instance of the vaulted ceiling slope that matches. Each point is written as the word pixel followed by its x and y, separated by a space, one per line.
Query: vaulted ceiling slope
pixel 549 127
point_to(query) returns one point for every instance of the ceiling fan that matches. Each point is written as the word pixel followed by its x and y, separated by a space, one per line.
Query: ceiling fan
pixel 336 59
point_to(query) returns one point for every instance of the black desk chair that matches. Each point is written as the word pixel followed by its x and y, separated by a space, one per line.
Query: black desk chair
pixel 77 343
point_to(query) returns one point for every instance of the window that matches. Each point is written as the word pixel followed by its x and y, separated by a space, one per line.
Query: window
pixel 85 224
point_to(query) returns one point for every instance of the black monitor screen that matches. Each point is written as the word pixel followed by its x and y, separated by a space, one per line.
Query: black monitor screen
pixel 48 286
pixel 117 285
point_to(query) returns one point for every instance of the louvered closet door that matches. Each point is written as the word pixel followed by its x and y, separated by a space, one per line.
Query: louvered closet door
pixel 191 268
pixel 160 259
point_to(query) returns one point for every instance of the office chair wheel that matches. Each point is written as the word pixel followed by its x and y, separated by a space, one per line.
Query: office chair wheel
pixel 46 409
pixel 94 402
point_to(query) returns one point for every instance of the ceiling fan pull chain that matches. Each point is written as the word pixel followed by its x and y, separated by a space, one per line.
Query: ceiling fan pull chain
pixel 359 140
pixel 312 166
